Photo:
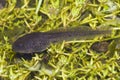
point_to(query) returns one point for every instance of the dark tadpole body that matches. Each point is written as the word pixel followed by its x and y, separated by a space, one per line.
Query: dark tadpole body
pixel 39 41
pixel 2 3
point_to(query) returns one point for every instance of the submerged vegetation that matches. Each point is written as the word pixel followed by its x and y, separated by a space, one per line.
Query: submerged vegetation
pixel 71 60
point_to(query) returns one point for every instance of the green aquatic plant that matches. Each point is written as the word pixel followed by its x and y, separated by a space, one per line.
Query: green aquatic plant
pixel 71 60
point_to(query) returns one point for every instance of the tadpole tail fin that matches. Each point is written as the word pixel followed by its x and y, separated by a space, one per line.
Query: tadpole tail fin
pixel 79 34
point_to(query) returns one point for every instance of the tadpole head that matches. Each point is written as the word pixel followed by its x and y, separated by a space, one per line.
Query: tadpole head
pixel 31 43
pixel 20 46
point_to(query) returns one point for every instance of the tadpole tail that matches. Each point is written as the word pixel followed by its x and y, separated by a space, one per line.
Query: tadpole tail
pixel 78 34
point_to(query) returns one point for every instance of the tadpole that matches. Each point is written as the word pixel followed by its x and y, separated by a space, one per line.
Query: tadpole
pixel 40 41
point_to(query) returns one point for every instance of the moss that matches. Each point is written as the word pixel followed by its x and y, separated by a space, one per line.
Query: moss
pixel 68 60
